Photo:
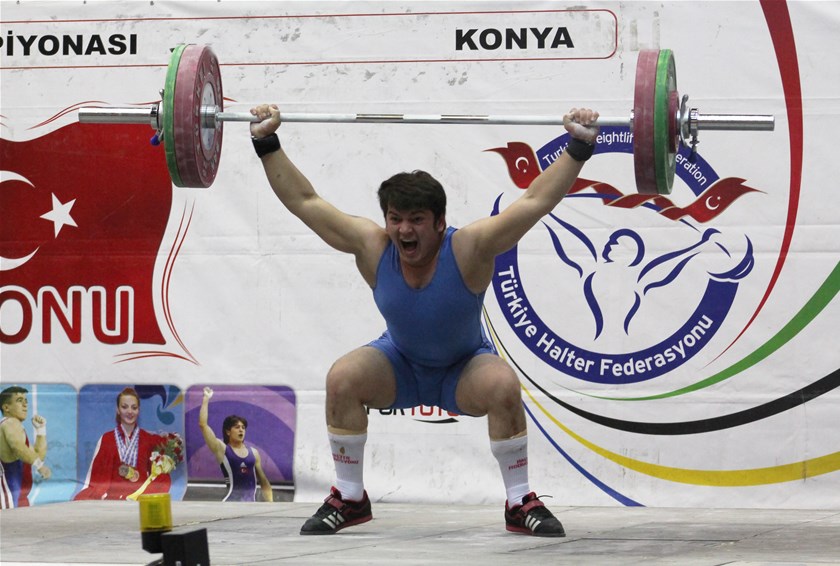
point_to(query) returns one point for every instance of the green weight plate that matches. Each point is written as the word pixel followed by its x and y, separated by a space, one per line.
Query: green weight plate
pixel 168 111
pixel 664 126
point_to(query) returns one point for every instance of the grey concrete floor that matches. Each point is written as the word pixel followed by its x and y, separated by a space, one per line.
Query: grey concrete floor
pixel 107 533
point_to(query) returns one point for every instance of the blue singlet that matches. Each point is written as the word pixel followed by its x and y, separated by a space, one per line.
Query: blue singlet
pixel 431 332
pixel 240 475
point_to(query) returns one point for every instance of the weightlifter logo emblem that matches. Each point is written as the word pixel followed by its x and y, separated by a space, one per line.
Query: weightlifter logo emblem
pixel 621 304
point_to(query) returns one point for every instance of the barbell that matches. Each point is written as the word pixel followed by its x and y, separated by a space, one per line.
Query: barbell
pixel 190 115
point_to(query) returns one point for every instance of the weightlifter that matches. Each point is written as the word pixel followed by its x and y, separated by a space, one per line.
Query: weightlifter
pixel 428 281
pixel 17 457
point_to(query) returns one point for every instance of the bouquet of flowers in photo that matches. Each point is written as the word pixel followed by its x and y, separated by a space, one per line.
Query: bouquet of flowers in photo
pixel 165 458
pixel 168 454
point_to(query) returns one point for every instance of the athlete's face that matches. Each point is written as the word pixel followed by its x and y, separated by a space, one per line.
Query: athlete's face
pixel 415 233
pixel 17 406
pixel 128 409
pixel 237 432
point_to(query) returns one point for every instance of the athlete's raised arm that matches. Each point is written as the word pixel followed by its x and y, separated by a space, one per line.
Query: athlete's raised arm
pixel 342 231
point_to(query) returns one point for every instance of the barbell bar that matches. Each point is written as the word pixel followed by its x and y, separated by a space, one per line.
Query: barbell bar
pixel 211 115
pixel 190 117
pixel 96 115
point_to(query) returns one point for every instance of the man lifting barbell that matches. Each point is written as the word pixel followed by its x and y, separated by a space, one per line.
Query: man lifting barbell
pixel 428 281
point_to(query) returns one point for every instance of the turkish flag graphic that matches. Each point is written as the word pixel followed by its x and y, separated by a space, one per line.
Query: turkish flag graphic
pixel 521 161
pixel 84 210
pixel 711 203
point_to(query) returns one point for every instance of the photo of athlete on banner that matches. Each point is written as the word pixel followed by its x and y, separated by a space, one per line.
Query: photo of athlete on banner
pixel 128 460
pixel 240 463
pixel 240 443
pixel 17 458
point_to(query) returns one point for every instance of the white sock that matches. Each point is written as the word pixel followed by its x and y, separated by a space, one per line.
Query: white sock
pixel 348 451
pixel 512 455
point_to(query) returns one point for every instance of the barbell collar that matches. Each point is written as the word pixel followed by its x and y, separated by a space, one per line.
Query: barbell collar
pixel 149 115
pixel 755 122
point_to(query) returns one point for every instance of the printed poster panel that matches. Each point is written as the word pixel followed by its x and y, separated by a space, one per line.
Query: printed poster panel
pixel 56 403
pixel 123 432
pixel 267 414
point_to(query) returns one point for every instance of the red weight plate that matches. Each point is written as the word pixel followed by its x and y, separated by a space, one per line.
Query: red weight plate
pixel 197 147
pixel 643 110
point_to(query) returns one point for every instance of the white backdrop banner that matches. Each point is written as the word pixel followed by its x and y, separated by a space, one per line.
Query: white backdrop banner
pixel 673 351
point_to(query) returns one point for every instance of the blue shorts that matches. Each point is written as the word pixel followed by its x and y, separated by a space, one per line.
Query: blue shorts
pixel 419 384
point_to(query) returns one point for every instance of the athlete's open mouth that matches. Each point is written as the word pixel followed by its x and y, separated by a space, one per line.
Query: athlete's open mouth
pixel 408 246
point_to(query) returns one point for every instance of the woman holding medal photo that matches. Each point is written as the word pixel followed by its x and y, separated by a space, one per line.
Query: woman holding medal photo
pixel 122 460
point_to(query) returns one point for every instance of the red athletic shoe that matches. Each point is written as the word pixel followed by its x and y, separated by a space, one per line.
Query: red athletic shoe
pixel 532 518
pixel 336 514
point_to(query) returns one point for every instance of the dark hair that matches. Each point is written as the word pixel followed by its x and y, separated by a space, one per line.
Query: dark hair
pixel 229 423
pixel 128 391
pixel 6 394
pixel 412 191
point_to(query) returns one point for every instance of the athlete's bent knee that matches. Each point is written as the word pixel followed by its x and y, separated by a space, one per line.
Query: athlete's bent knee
pixel 341 381
pixel 506 389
